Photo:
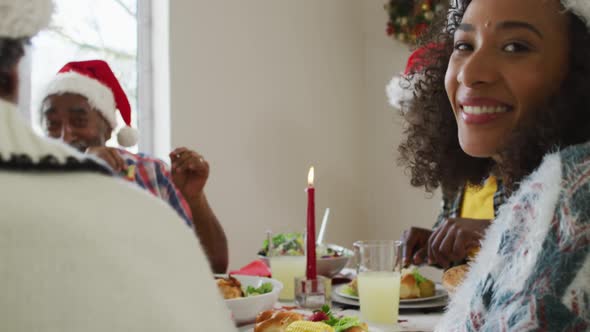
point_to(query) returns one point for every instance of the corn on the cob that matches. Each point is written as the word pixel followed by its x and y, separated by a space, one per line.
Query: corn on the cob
pixel 307 326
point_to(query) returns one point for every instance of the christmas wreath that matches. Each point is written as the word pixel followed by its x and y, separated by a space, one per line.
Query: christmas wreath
pixel 408 19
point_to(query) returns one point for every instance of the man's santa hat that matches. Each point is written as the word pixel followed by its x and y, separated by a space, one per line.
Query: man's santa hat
pixel 95 80
pixel 24 18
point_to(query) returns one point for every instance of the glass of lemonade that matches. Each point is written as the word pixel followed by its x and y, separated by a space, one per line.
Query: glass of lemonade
pixel 378 273
pixel 287 261
pixel 285 269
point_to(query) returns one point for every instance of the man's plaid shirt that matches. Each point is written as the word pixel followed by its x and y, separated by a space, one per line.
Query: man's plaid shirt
pixel 152 175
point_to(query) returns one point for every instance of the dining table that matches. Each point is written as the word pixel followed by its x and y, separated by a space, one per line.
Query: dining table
pixel 414 315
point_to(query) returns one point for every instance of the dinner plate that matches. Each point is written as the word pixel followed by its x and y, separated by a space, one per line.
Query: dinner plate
pixel 439 292
pixel 434 302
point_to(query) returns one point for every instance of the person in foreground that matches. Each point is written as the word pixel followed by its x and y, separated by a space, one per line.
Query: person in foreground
pixel 80 108
pixel 64 266
pixel 508 95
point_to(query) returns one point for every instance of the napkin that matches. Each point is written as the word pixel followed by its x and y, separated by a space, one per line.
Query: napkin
pixel 256 268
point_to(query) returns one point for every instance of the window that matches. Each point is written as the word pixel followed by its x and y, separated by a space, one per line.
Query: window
pixel 84 30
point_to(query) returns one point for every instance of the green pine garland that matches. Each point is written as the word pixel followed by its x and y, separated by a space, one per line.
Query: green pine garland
pixel 408 19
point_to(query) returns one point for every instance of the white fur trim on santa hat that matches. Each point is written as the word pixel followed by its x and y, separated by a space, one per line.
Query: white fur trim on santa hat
pixel 24 18
pixel 579 7
pixel 400 91
pixel 127 136
pixel 99 96
pixel 396 93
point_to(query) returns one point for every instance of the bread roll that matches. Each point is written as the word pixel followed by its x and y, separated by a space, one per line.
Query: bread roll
pixel 354 285
pixel 275 320
pixel 427 288
pixel 453 277
pixel 230 288
pixel 409 287
pixel 264 315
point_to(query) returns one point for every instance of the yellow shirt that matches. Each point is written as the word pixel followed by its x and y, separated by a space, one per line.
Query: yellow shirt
pixel 478 202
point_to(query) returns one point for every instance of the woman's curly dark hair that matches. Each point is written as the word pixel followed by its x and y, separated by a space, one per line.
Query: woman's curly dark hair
pixel 431 151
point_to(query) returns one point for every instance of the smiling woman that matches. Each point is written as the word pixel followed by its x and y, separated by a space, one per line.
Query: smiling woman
pixel 505 92
pixel 502 91
pixel 502 70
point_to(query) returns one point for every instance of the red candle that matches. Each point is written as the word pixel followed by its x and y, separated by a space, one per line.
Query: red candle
pixel 310 271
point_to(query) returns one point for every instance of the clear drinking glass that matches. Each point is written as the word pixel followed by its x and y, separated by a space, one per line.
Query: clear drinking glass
pixel 285 269
pixel 285 266
pixel 378 273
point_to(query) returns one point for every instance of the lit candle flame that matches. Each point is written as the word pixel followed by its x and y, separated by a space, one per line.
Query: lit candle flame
pixel 310 177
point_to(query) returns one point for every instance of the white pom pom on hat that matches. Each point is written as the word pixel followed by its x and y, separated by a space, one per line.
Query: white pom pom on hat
pixel 400 89
pixel 398 94
pixel 95 80
pixel 127 136
pixel 24 18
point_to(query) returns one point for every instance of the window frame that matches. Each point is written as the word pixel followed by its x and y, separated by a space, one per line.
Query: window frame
pixel 145 70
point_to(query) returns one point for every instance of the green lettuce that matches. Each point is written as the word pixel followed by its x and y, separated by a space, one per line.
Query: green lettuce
pixel 263 289
pixel 349 291
pixel 345 323
pixel 339 324
pixel 290 244
pixel 419 278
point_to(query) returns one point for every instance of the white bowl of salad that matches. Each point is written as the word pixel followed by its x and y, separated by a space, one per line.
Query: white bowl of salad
pixel 257 294
pixel 331 258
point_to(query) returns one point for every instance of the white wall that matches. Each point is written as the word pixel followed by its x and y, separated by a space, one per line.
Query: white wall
pixel 392 203
pixel 266 88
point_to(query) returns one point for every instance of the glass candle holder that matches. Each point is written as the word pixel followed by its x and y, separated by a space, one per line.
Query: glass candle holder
pixel 313 293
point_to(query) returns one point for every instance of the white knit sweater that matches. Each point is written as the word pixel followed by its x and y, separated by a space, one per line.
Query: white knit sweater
pixel 533 270
pixel 81 251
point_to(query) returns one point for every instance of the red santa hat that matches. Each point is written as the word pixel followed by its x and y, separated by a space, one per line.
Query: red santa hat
pixel 400 89
pixel 95 80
